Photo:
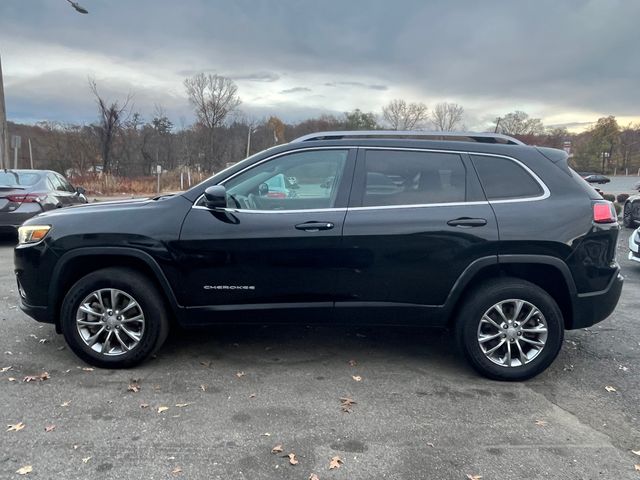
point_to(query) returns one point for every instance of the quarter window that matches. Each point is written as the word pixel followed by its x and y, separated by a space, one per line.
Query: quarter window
pixel 396 177
pixel 503 178
pixel 297 181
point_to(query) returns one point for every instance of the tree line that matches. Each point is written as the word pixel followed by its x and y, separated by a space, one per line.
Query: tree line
pixel 122 142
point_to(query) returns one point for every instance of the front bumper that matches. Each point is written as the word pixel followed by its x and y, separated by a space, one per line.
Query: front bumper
pixel 40 314
pixel 591 308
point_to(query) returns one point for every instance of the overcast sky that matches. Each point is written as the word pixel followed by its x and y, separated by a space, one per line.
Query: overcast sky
pixel 568 62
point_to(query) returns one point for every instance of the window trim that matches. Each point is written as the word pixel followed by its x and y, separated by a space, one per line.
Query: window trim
pixel 546 193
pixel 545 190
pixel 347 171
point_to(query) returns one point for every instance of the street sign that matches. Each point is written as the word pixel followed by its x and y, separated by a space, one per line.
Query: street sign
pixel 16 141
pixel 158 169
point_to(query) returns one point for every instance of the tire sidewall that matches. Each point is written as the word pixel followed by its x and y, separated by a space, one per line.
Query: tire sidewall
pixel 471 314
pixel 131 283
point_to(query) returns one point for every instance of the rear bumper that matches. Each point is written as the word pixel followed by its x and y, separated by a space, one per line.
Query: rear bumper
pixel 591 308
pixel 12 220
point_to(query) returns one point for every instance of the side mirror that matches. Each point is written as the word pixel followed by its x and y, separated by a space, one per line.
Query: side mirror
pixel 263 189
pixel 80 191
pixel 215 197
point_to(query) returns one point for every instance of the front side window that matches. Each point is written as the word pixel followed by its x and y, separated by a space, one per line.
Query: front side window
pixel 295 181
pixel 503 179
pixel 413 178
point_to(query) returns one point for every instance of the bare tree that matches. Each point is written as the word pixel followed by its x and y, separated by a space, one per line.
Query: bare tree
pixel 519 123
pixel 447 117
pixel 110 121
pixel 401 115
pixel 213 97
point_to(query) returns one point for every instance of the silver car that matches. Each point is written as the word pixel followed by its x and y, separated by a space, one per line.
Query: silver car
pixel 25 193
pixel 634 246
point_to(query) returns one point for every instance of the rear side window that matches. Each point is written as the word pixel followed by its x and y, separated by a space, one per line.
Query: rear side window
pixel 395 177
pixel 503 178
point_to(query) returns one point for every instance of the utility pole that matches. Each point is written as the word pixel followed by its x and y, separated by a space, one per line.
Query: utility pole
pixel 4 133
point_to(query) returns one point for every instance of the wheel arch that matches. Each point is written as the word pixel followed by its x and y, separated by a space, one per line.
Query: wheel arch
pixel 549 273
pixel 75 264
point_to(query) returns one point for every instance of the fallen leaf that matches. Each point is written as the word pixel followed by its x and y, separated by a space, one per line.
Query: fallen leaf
pixel 541 423
pixel 5 369
pixel 353 363
pixel 637 452
pixel 176 471
pixel 637 467
pixel 11 379
pixel 473 477
pixel 42 340
pixel 292 459
pixel 49 428
pixel 24 470
pixel 75 447
pixel 60 348
pixel 203 387
pixel 313 476
pixel 144 405
pixel 277 449
pixel 162 409
pixel 180 405
pixel 206 363
pixel 266 434
pixel 36 378
pixel 65 404
pixel 88 369
pixel 335 462
pixel 133 387
pixel 240 374
pixel 357 378
pixel 16 427
pixel 86 459
pixel 253 395
pixel 429 444
pixel 609 388
pixel 346 403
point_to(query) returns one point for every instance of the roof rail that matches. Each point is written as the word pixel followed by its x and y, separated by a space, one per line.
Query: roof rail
pixel 451 136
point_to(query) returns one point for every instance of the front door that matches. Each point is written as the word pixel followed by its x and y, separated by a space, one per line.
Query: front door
pixel 276 244
pixel 416 220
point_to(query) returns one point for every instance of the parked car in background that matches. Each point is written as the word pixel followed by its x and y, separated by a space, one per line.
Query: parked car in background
pixel 499 241
pixel 634 246
pixel 631 211
pixel 637 186
pixel 26 193
pixel 601 179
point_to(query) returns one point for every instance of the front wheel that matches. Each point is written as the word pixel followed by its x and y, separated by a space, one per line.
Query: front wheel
pixel 114 318
pixel 509 329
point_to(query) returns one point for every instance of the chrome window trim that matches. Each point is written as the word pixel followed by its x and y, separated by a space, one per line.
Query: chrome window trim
pixel 546 192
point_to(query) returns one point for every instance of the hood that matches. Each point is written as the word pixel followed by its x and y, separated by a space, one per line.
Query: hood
pixel 97 207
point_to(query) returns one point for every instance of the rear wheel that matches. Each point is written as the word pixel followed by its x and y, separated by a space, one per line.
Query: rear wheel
pixel 510 329
pixel 114 318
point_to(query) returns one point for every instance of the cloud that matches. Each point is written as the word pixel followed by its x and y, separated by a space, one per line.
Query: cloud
pixel 295 90
pixel 562 61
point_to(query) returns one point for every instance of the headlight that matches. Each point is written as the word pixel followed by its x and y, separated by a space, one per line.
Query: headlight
pixel 32 233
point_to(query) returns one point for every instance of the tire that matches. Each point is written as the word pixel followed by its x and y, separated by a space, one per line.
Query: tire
pixel 145 318
pixel 507 292
pixel 627 221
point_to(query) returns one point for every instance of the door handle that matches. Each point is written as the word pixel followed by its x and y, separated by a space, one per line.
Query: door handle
pixel 314 226
pixel 467 222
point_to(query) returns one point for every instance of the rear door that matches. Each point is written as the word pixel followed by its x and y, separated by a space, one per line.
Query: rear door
pixel 416 220
pixel 272 248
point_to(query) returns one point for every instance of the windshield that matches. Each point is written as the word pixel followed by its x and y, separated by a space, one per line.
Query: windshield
pixel 18 179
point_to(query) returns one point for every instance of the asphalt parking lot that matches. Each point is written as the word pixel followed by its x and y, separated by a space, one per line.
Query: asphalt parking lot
pixel 214 403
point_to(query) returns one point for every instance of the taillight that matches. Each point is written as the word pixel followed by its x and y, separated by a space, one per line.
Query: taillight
pixel 603 212
pixel 277 195
pixel 25 197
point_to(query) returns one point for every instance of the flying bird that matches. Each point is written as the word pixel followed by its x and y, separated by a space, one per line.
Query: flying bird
pixel 77 6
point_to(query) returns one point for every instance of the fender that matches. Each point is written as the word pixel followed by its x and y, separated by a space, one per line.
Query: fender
pixel 496 260
pixel 54 294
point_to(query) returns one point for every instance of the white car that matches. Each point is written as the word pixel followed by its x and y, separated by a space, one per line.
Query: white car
pixel 634 246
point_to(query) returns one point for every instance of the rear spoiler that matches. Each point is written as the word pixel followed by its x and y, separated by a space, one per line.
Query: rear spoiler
pixel 558 157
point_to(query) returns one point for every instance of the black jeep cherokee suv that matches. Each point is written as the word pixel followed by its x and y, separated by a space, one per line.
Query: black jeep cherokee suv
pixel 500 241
